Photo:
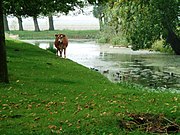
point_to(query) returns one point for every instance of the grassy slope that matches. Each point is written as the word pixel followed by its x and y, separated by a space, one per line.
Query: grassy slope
pixel 52 95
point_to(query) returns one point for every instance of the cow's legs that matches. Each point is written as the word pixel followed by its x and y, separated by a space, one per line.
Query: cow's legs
pixel 57 52
pixel 60 53
pixel 64 52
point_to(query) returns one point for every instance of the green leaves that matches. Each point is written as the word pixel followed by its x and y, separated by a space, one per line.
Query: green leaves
pixel 142 22
pixel 35 8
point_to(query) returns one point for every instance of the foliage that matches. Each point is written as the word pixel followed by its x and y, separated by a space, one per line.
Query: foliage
pixel 51 95
pixel 59 6
pixel 119 40
pixel 35 8
pixel 161 46
pixel 114 39
pixel 143 22
pixel 97 2
pixel 99 12
pixel 13 7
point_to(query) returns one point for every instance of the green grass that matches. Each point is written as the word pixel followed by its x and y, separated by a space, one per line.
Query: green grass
pixel 51 95
pixel 73 34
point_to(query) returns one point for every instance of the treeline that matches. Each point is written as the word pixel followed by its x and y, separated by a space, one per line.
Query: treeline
pixel 140 22
pixel 35 8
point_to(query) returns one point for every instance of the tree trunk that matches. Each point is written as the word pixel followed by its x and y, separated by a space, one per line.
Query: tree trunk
pixel 20 23
pixel 174 41
pixel 36 23
pixel 51 24
pixel 3 62
pixel 101 22
pixel 6 26
pixel 172 38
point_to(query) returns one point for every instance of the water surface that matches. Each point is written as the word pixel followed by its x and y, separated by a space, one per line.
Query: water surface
pixel 151 69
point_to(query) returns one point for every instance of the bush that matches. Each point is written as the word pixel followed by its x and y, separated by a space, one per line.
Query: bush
pixel 161 46
pixel 103 40
pixel 119 40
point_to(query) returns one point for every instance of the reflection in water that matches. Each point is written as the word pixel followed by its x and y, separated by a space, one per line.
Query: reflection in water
pixel 150 69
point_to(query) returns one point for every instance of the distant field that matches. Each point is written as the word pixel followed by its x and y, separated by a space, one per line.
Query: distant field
pixel 73 34
pixel 67 22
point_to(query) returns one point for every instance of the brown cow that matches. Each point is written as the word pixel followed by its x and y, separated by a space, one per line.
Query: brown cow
pixel 61 43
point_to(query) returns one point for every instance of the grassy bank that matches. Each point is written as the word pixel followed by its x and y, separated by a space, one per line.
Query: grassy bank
pixel 49 95
pixel 73 34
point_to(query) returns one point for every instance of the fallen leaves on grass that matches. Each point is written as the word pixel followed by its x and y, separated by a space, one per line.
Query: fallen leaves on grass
pixel 52 126
pixel 55 129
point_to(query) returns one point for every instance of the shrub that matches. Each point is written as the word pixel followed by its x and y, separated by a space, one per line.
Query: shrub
pixel 119 40
pixel 159 45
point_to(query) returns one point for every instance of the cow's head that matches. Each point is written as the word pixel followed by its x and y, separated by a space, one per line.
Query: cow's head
pixel 60 37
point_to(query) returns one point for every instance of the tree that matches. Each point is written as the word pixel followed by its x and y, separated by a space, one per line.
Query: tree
pixel 51 23
pixel 32 9
pixel 6 26
pixel 52 7
pixel 14 7
pixel 22 8
pixel 5 13
pixel 3 63
pixel 98 12
pixel 35 8
pixel 20 23
pixel 36 25
pixel 143 22
pixel 169 16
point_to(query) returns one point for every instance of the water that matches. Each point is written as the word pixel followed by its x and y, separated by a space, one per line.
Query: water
pixel 151 69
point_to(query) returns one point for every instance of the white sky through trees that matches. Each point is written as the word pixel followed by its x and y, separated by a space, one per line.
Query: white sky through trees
pixel 74 22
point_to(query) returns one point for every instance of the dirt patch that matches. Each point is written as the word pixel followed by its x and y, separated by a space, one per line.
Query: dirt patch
pixel 149 123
